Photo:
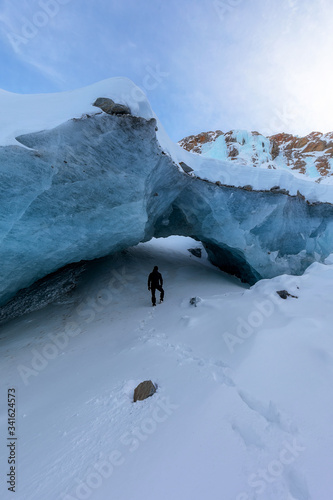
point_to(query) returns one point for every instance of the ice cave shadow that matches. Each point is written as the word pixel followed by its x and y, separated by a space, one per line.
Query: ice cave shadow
pixel 69 284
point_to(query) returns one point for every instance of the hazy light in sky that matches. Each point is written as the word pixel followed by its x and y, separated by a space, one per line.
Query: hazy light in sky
pixel 255 64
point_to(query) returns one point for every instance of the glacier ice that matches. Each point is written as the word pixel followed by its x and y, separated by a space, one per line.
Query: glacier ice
pixel 252 234
pixel 98 183
pixel 88 188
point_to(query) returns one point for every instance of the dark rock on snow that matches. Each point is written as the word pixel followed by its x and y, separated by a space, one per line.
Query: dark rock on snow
pixel 196 252
pixel 194 301
pixel 185 167
pixel 284 294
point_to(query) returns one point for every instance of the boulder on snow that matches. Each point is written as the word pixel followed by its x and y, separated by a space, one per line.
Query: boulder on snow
pixel 144 390
pixel 120 109
pixel 110 107
pixel 284 294
pixel 194 301
pixel 185 167
pixel 105 104
pixel 195 251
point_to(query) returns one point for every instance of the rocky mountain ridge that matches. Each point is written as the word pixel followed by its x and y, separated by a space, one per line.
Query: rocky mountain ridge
pixel 311 155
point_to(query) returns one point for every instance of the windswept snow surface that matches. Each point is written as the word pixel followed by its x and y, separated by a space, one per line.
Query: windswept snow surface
pixel 244 404
pixel 29 113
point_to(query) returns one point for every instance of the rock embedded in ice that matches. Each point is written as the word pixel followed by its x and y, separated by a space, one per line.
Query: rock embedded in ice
pixel 144 390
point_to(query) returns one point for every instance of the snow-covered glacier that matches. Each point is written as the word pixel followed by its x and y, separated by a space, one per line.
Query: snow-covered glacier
pixel 78 183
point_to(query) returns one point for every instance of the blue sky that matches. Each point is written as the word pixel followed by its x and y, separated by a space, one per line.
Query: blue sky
pixel 261 65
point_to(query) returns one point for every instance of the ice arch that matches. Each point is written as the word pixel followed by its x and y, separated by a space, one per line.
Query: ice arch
pixel 102 183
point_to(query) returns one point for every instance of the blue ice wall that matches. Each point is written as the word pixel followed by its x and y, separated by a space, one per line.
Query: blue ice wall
pixel 88 188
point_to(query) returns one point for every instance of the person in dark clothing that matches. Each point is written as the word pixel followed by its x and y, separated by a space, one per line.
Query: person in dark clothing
pixel 155 282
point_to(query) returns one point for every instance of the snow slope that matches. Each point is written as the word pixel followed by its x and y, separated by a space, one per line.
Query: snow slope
pixel 244 404
pixel 28 113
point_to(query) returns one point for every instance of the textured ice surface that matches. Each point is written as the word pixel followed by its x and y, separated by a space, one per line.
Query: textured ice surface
pixel 55 287
pixel 97 184
pixel 252 234
pixel 89 187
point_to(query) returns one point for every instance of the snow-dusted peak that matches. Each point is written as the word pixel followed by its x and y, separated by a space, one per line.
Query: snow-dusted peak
pixel 28 113
pixel 311 156
pixel 240 145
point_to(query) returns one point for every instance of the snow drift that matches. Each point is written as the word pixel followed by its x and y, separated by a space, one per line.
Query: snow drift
pixel 77 183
